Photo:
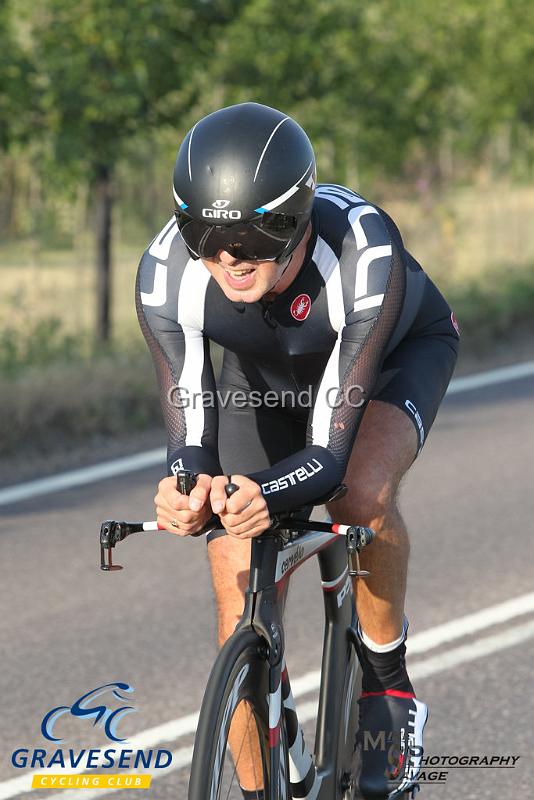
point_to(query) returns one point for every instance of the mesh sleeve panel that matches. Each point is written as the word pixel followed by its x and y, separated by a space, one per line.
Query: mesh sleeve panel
pixel 167 347
pixel 362 349
pixel 167 377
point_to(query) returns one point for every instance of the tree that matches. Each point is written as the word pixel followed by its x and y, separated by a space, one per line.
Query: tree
pixel 110 70
pixel 374 84
pixel 16 103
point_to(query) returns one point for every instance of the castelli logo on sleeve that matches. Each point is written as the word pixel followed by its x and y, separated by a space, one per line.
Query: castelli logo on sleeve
pixel 301 307
pixel 455 323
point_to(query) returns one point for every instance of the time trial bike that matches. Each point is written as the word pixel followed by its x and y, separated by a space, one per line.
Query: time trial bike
pixel 250 678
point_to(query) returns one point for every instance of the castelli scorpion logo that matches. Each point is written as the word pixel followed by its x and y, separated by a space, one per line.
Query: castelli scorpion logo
pixel 301 307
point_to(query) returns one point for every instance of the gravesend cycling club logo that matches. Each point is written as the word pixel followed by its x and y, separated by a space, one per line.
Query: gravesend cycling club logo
pixel 301 307
pixel 84 708
pixel 104 707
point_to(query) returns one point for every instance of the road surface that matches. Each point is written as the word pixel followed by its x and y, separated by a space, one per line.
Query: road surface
pixel 67 627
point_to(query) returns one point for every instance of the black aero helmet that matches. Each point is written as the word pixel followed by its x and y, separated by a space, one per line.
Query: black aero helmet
pixel 244 182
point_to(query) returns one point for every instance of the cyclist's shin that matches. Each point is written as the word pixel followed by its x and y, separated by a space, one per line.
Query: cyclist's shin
pixel 383 665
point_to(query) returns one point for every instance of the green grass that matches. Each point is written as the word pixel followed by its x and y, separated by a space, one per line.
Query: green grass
pixel 45 284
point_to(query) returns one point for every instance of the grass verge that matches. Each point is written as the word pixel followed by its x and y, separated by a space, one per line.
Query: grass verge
pixel 57 393
pixel 68 401
pixel 494 307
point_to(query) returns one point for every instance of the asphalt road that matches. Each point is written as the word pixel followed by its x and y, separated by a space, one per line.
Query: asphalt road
pixel 67 627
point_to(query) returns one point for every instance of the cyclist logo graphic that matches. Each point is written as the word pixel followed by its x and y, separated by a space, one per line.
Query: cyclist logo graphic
pixel 301 307
pixel 84 708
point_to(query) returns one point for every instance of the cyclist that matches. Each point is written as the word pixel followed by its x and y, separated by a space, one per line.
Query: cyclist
pixel 338 349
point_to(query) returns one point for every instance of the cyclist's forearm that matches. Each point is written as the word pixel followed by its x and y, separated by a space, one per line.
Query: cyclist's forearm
pixel 299 479
pixel 200 460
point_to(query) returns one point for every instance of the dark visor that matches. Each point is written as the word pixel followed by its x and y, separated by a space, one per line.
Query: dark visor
pixel 265 238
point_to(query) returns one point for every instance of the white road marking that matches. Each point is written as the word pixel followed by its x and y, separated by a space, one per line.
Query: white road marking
pixel 477 649
pixel 469 624
pixel 491 377
pixel 420 643
pixel 153 458
pixel 83 476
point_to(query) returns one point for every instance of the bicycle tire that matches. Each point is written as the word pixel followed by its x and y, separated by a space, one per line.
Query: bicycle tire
pixel 240 673
pixel 347 760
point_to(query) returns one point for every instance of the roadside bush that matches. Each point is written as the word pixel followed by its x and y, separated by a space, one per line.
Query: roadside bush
pixel 38 344
pixel 497 305
pixel 68 402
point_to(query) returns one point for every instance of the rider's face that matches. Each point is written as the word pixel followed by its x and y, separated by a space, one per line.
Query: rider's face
pixel 243 280
pixel 249 281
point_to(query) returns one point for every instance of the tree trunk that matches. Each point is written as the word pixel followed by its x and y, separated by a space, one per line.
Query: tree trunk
pixel 104 203
pixel 7 194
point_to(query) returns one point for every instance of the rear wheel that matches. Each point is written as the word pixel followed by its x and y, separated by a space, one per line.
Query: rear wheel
pixel 347 766
pixel 232 740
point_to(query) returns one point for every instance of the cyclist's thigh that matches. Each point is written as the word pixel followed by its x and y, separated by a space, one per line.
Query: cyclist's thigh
pixel 416 374
pixel 397 420
pixel 250 439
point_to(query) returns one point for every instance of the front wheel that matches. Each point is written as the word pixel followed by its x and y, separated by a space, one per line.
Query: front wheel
pixel 232 739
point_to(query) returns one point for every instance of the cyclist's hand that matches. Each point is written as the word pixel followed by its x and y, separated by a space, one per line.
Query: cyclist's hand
pixel 245 513
pixel 190 512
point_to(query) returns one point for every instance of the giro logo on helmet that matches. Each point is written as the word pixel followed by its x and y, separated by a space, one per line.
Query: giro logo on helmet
pixel 219 211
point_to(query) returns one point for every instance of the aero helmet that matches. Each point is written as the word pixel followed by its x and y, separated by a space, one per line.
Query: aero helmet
pixel 244 182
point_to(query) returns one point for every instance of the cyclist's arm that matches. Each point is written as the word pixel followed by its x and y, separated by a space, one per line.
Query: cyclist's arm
pixel 181 358
pixel 354 362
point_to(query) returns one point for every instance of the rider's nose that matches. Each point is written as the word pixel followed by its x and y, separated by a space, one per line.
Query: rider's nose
pixel 225 258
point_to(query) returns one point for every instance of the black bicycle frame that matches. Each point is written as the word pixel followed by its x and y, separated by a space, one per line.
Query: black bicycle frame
pixel 275 556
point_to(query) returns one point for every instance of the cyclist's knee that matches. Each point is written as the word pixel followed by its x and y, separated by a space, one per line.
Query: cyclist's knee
pixel 227 620
pixel 368 501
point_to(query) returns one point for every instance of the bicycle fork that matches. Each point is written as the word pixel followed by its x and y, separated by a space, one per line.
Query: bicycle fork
pixel 304 780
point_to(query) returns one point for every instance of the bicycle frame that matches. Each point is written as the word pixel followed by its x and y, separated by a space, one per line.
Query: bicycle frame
pixel 275 556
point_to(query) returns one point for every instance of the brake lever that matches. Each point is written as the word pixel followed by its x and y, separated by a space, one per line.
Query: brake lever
pixel 357 538
pixel 113 532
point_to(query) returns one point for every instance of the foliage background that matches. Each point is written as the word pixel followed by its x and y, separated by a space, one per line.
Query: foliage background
pixel 426 108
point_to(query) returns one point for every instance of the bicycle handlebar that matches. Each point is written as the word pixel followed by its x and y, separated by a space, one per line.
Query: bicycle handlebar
pixel 113 532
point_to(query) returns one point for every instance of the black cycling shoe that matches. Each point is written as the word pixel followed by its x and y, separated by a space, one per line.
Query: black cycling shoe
pixel 390 740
